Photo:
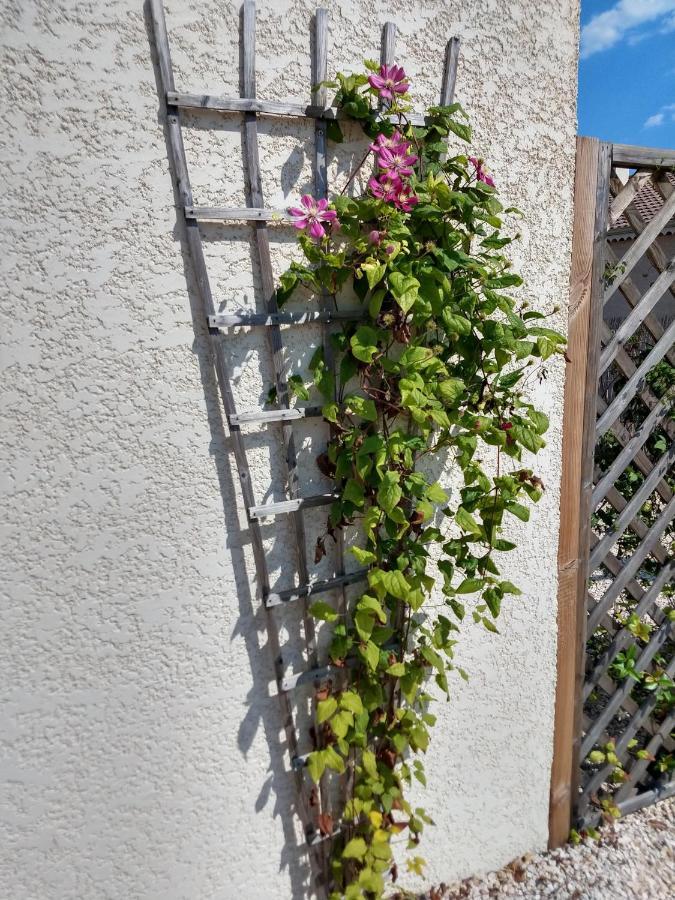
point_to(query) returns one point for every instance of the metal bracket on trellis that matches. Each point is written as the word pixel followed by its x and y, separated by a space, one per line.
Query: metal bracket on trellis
pixel 619 717
pixel 250 108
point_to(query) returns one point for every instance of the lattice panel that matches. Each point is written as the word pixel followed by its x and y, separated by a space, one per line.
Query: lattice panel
pixel 300 739
pixel 627 750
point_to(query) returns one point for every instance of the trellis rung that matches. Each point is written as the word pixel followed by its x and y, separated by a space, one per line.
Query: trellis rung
pixel 289 506
pixel 236 320
pixel 254 416
pixel 646 798
pixel 242 213
pixel 311 676
pixel 213 103
pixel 317 838
pixel 317 587
pixel 323 673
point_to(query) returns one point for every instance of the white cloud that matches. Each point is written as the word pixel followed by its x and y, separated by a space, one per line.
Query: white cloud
pixel 666 112
pixel 608 28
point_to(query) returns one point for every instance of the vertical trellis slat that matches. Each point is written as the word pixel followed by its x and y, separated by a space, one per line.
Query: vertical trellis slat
pixel 450 72
pixel 261 243
pixel 388 44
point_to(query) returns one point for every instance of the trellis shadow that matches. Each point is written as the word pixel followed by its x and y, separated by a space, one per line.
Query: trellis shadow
pixel 263 710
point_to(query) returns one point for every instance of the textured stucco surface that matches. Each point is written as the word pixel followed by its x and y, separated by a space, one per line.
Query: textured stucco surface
pixel 142 754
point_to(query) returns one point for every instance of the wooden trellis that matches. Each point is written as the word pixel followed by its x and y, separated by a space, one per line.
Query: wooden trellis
pixel 309 806
pixel 595 710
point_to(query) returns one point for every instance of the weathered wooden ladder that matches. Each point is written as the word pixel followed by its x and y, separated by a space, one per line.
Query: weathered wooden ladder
pixel 308 805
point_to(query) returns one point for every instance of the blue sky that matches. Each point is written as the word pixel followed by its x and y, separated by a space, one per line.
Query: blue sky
pixel 627 71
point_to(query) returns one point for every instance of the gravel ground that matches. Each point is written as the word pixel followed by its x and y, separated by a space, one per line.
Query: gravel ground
pixel 634 860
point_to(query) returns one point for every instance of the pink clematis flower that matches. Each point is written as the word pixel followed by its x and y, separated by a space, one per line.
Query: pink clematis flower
pixel 479 169
pixel 386 187
pixel 311 216
pixel 397 161
pixel 406 200
pixel 393 143
pixel 391 80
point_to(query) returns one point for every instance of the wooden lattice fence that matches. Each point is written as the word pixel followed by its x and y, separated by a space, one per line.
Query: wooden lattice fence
pixel 616 701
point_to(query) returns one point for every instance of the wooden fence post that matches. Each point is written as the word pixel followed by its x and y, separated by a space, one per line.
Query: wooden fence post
pixel 585 311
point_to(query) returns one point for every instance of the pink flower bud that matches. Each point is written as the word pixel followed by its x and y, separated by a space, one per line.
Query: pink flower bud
pixel 374 237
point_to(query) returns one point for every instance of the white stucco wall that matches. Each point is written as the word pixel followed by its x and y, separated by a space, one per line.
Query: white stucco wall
pixel 140 750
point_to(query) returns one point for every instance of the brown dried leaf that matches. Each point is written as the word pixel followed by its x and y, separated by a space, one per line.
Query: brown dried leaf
pixel 325 821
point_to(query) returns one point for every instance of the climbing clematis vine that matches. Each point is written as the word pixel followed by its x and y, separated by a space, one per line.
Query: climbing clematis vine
pixel 433 360
pixel 311 216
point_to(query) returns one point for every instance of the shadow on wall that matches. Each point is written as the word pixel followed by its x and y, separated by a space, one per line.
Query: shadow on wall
pixel 262 709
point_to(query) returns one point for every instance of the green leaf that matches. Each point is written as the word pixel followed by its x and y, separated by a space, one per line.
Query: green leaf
pixel 470 585
pixel 325 709
pixel 389 492
pixel 528 438
pixel 330 412
pixel 287 284
pixel 361 406
pixel 490 626
pixel 397 669
pixel 467 522
pixel 355 849
pixel 374 272
pixel 450 390
pixel 297 388
pixel 363 556
pixel 353 492
pixel 455 324
pixel 323 611
pixel 334 132
pixel 316 765
pixel 436 494
pixel 351 701
pixel 369 763
pixel 372 654
pixel 507 587
pixel 373 605
pixel 494 601
pixel 461 130
pixel 393 582
pixel 517 509
pixel 405 289
pixel 333 759
pixel 539 419
pixel 341 722
pixel 364 624
pixel 364 343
